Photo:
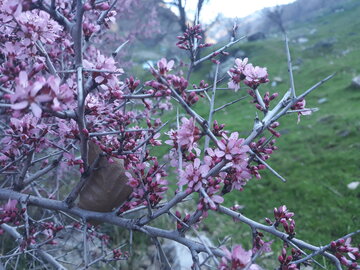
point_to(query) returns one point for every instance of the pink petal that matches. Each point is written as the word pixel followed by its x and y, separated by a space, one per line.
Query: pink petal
pixel 219 153
pixel 23 79
pixel 196 163
pixel 99 79
pixel 36 109
pixel 170 64
pixel 20 105
pixel 217 199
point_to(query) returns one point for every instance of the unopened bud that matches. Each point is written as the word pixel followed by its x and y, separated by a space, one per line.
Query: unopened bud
pixel 103 6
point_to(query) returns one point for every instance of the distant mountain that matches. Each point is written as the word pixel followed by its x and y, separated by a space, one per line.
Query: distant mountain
pixel 299 11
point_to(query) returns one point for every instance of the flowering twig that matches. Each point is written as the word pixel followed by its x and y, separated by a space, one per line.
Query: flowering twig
pixel 275 232
pixel 323 249
pixel 103 15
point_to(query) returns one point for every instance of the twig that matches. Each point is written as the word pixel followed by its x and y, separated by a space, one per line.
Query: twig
pixel 84 177
pixel 6 90
pixel 85 245
pixel 144 142
pixel 118 49
pixel 101 19
pixel 294 101
pixel 43 171
pixel 216 261
pixel 102 71
pixel 19 182
pixel 180 162
pixel 212 104
pixel 231 43
pixel 230 103
pixel 290 70
pixel 43 254
pixel 268 166
pixel 260 100
pixel 165 264
pixel 94 134
pixel 323 249
pixel 49 63
pixel 195 258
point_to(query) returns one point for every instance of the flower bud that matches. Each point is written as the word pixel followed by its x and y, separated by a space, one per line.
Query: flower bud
pixel 87 6
pixel 103 6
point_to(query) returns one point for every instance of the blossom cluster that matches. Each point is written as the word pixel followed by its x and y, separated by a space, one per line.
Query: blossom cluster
pixel 165 83
pixel 266 100
pixel 22 137
pixel 148 183
pixel 283 217
pixel 190 36
pixel 286 260
pixel 346 253
pixel 233 150
pixel 10 213
pixel 186 138
pixel 41 92
pixel 107 76
pixel 263 148
pixel 250 75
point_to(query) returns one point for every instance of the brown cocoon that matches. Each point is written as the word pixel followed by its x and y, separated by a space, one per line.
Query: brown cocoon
pixel 106 188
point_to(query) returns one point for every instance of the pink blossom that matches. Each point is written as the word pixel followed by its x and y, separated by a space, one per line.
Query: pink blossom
pixel 231 146
pixel 237 73
pixel 37 25
pixel 300 105
pixel 239 259
pixel 282 213
pixel 106 80
pixel 186 136
pixel 164 66
pixel 193 175
pixel 148 183
pixel 39 91
pixel 254 76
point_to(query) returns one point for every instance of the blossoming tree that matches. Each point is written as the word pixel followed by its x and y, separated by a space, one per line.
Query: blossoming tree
pixel 68 106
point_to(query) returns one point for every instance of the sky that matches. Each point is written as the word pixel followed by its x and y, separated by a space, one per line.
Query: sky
pixel 233 8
